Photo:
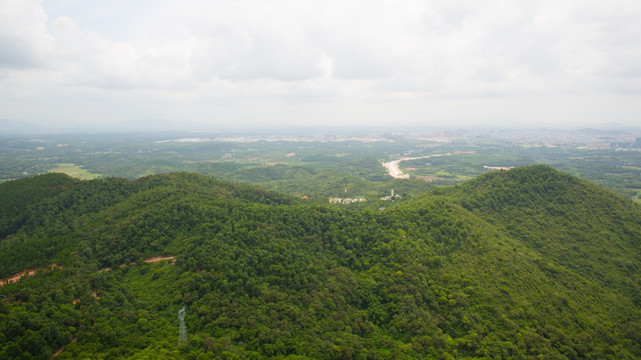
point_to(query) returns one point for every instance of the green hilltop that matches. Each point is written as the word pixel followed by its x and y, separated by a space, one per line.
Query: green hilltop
pixel 528 263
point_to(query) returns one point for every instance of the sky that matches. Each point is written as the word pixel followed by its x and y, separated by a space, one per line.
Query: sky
pixel 242 63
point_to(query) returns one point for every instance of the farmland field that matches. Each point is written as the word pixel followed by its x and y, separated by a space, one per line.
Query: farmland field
pixel 75 171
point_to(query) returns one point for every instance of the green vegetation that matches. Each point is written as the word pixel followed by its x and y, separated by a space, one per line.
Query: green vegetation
pixel 522 264
pixel 319 167
pixel 75 171
pixel 18 195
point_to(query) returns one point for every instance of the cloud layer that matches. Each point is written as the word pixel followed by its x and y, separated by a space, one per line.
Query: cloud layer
pixel 211 60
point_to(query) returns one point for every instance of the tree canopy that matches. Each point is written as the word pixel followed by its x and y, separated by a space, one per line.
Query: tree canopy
pixel 520 264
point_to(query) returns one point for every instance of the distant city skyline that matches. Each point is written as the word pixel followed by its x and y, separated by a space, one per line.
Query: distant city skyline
pixel 196 64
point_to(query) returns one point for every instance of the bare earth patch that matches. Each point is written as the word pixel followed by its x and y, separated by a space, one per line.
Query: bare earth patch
pixel 393 168
pixel 15 278
pixel 29 272
pixel 160 258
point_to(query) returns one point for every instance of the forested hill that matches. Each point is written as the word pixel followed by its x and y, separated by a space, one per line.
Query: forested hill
pixel 522 264
pixel 17 195
pixel 589 231
pixel 115 220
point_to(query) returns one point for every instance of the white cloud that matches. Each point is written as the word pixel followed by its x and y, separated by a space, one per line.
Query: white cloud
pixel 214 54
pixel 23 34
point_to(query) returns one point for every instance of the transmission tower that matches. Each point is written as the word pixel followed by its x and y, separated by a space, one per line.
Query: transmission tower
pixel 182 333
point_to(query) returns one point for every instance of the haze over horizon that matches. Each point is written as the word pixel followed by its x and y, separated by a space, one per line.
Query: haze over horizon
pixel 205 64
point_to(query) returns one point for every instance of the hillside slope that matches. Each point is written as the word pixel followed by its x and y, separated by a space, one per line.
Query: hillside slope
pixel 17 195
pixel 569 222
pixel 528 263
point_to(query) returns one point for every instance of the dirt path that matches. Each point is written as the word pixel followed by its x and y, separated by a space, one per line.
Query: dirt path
pixel 15 278
pixel 94 292
pixel 160 258
pixel 29 272
pixel 394 170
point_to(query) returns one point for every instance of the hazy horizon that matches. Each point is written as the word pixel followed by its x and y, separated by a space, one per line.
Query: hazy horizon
pixel 70 65
pixel 164 128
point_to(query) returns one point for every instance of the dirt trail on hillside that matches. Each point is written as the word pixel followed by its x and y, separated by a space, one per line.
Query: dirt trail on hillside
pixel 30 272
pixel 160 258
pixel 94 292
pixel 15 278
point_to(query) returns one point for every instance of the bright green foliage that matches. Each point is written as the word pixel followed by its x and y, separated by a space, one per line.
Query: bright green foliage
pixel 525 264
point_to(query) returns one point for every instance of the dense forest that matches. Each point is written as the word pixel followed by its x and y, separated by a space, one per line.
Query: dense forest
pixel 529 263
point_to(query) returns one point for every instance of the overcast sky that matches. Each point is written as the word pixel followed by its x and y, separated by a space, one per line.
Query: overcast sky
pixel 217 63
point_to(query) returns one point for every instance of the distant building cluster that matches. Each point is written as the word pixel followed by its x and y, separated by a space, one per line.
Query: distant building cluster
pixel 626 145
pixel 390 197
pixel 345 200
pixel 498 167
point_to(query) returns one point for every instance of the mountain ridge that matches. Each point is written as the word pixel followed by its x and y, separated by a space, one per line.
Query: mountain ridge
pixel 507 265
